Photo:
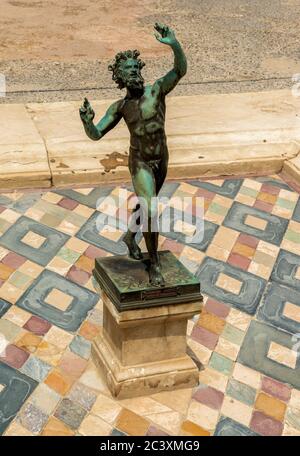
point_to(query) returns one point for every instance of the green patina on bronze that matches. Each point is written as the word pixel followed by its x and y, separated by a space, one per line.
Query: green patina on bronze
pixel 143 109
pixel 126 282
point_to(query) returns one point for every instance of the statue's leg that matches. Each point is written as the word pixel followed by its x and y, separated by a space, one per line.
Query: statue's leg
pixel 129 238
pixel 145 187
pixel 159 176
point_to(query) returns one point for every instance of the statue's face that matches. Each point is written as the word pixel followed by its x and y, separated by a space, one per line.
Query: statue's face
pixel 131 74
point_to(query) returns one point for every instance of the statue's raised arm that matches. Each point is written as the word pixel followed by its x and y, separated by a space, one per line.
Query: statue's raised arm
pixel 167 36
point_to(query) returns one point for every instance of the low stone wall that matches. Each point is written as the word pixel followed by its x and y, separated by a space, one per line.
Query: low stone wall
pixel 44 144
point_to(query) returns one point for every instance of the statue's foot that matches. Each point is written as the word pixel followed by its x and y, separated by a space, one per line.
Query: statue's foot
pixel 134 250
pixel 155 276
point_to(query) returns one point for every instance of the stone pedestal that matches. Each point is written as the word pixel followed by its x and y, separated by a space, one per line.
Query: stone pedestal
pixel 143 351
pixel 142 347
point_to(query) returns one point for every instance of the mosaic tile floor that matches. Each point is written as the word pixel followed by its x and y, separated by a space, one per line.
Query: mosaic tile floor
pixel 247 338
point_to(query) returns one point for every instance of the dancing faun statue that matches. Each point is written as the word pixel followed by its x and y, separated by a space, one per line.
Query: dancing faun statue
pixel 143 109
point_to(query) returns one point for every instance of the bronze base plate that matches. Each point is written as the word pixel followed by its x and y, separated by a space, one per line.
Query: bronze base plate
pixel 126 282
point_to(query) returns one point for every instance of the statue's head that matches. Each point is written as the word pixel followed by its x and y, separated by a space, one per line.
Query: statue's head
pixel 126 70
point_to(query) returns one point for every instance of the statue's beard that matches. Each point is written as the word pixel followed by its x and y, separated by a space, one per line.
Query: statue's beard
pixel 136 82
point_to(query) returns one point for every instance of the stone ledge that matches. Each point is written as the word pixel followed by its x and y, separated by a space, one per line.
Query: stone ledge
pixel 23 156
pixel 208 135
pixel 292 168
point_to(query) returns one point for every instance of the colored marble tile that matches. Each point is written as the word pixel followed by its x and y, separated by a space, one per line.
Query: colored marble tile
pixel 89 330
pixel 248 376
pixel 58 299
pixel 45 398
pixel 131 423
pixel 227 427
pixel 33 300
pixel 33 239
pixel 59 382
pixel 233 334
pixel 286 268
pixel 168 421
pixel 270 406
pixel 17 316
pixel 189 428
pixel 13 260
pixel 221 363
pixel 81 347
pixel 90 198
pixel 117 433
pixel 241 392
pixel 89 232
pixel 18 388
pixel 68 255
pixel 14 356
pixel 251 291
pixel 67 203
pixel 236 410
pixel 218 308
pixel 282 355
pixel 106 408
pixel 9 330
pixel 204 230
pixel 203 416
pixel 5 271
pixel 72 365
pixel 273 304
pixel 20 280
pixel 239 320
pixel 276 389
pixel 55 427
pixel 209 396
pixel 32 418
pixel 239 261
pixel 83 396
pixel 293 417
pixel 4 306
pixel 16 429
pixel 289 431
pixel 204 337
pixel 296 213
pixel 12 239
pixel 154 431
pixel 254 353
pixel 37 325
pixel 10 293
pixel 228 349
pixel 70 413
pixel 36 368
pixel 144 406
pixel 265 425
pixel 211 322
pixel 94 426
pixel 49 353
pixel 78 276
pixel 277 183
pixel 275 228
pixel 229 188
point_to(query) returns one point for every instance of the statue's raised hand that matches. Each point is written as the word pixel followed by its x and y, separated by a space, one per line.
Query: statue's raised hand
pixel 86 112
pixel 165 35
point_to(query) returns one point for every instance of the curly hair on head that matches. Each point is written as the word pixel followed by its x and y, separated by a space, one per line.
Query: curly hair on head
pixel 115 67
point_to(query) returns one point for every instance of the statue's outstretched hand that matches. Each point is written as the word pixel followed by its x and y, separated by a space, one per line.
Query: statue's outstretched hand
pixel 86 112
pixel 165 35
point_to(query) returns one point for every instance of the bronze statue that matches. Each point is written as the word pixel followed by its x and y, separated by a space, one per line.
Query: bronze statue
pixel 143 109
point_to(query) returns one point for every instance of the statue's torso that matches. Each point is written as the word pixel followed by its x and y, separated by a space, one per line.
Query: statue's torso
pixel 145 118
